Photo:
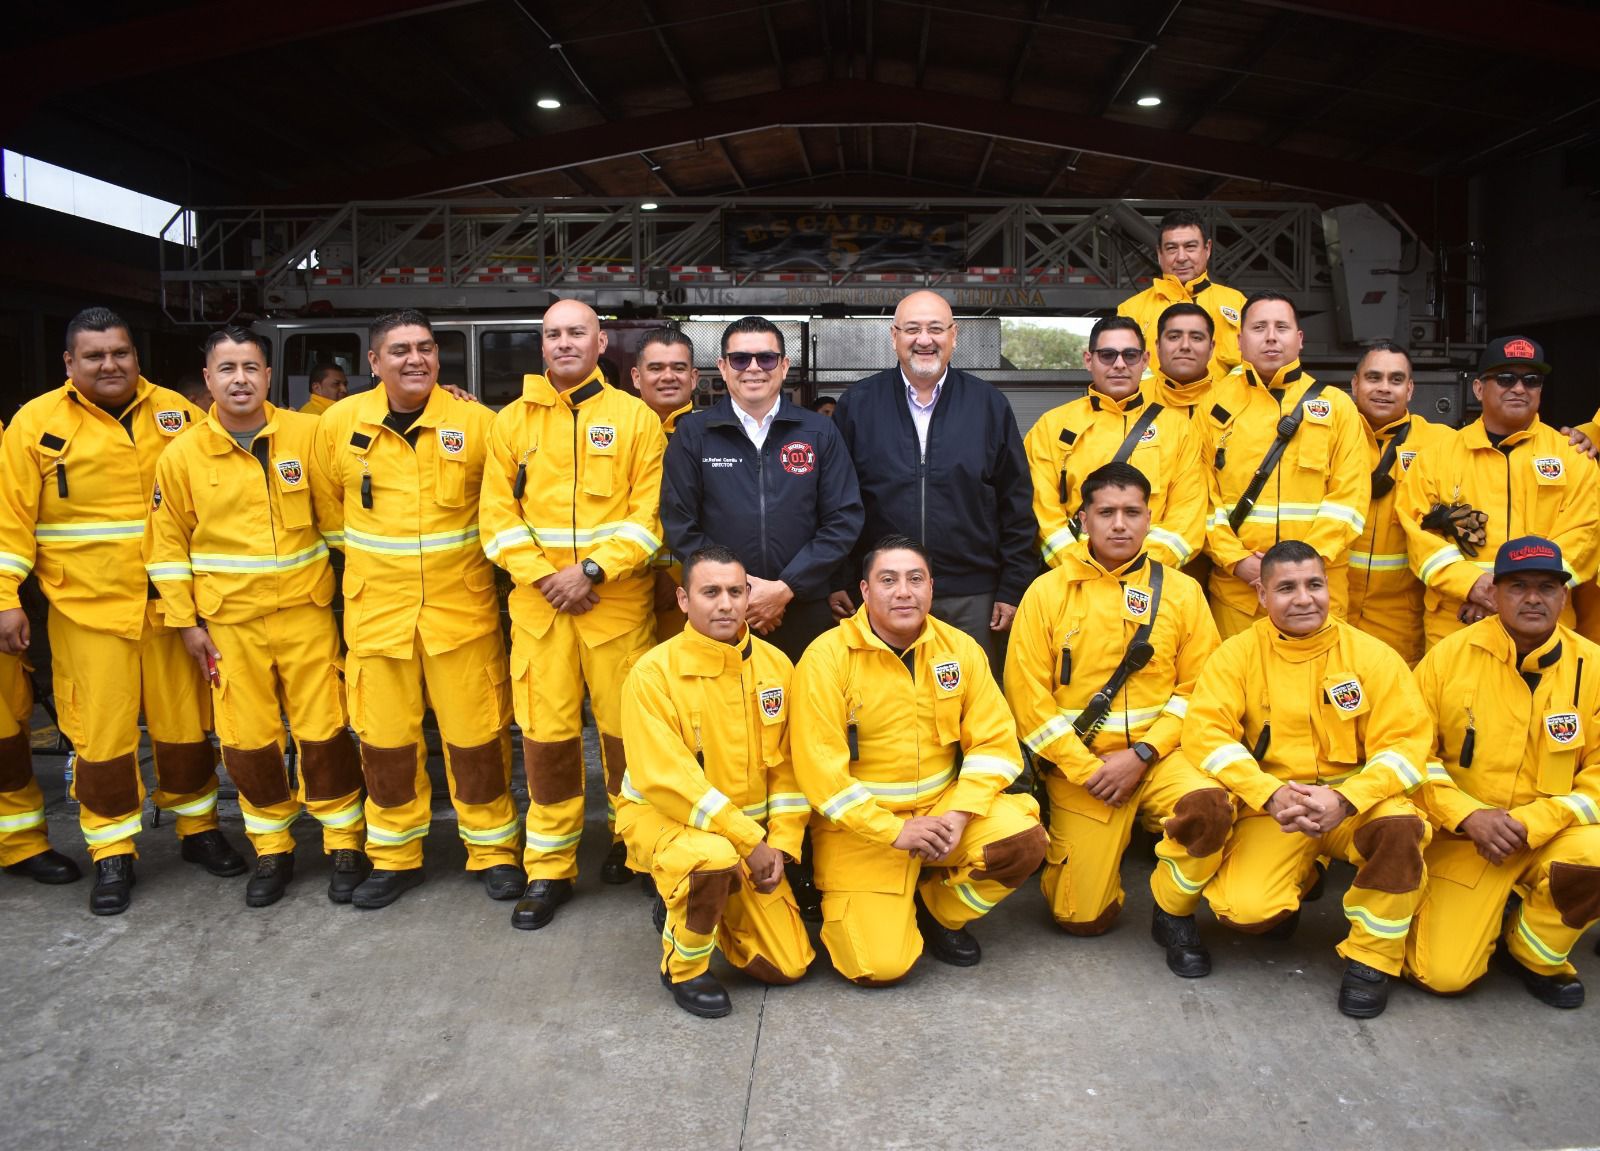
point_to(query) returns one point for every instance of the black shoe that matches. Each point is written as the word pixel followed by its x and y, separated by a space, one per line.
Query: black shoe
pixel 615 869
pixel 503 881
pixel 113 885
pixel 1187 957
pixel 210 850
pixel 957 948
pixel 1314 892
pixel 658 915
pixel 350 867
pixel 271 880
pixel 49 866
pixel 703 995
pixel 1364 993
pixel 538 904
pixel 1284 928
pixel 1564 991
pixel 382 888
pixel 805 891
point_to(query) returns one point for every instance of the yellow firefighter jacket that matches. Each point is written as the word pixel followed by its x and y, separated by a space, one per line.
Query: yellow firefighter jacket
pixel 1193 400
pixel 1063 631
pixel 1222 303
pixel 1342 708
pixel 934 734
pixel 591 462
pixel 316 405
pixel 232 535
pixel 706 724
pixel 1318 492
pixel 1535 751
pixel 76 488
pixel 413 563
pixel 1535 483
pixel 1072 440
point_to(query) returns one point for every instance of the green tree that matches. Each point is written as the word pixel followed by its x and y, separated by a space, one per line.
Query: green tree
pixel 1036 347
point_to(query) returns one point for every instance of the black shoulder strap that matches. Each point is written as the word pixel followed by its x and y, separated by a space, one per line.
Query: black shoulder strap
pixel 1382 481
pixel 1287 427
pixel 1140 426
pixel 1135 657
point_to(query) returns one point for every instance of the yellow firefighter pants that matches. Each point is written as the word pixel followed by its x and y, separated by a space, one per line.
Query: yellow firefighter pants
pixel 550 672
pixel 468 689
pixel 1266 870
pixel 22 828
pixel 711 903
pixel 868 919
pixel 1460 916
pixel 100 683
pixel 287 664
pixel 1231 621
pixel 1082 878
pixel 1395 620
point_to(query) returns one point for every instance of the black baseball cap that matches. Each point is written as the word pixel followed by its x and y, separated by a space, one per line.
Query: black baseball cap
pixel 1528 554
pixel 1512 352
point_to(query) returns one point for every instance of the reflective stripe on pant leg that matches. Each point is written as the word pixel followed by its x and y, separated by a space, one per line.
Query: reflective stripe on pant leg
pixel 22 827
pixel 1195 817
pixel 177 710
pixel 547 696
pixel 386 705
pixel 1385 843
pixel 996 854
pixel 1561 900
pixel 604 668
pixel 469 689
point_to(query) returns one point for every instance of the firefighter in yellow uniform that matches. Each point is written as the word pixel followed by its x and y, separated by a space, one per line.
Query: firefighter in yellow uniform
pixel 905 746
pixel 1516 797
pixel 328 386
pixel 571 499
pixel 709 804
pixel 1504 475
pixel 79 467
pixel 1319 732
pixel 24 840
pixel 1312 487
pixel 232 545
pixel 1115 421
pixel 1102 708
pixel 1183 250
pixel 1385 595
pixel 665 377
pixel 395 478
pixel 1184 378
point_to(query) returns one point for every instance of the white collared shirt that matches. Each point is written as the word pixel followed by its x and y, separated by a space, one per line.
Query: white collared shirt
pixel 922 414
pixel 757 429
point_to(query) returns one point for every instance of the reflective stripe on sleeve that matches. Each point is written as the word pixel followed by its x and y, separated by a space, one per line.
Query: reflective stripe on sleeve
pixel 1172 541
pixel 710 803
pixel 1225 756
pixel 1410 777
pixel 846 799
pixel 12 562
pixel 1581 806
pixel 990 765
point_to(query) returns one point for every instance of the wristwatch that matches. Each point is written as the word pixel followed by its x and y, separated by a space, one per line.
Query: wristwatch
pixel 1146 753
pixel 594 571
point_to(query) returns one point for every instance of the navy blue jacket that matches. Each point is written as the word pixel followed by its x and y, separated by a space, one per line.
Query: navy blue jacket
pixel 791 512
pixel 969 502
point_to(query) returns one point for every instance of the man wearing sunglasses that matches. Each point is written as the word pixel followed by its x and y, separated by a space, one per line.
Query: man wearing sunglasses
pixel 1183 249
pixel 1506 474
pixel 1116 422
pixel 769 479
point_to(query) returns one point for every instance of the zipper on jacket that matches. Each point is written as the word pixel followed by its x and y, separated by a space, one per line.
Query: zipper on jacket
pixel 575 441
pixel 922 488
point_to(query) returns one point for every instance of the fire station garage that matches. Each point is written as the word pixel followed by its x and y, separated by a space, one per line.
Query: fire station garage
pixel 1418 181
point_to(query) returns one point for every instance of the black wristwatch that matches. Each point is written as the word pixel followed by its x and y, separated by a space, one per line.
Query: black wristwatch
pixel 1146 753
pixel 594 571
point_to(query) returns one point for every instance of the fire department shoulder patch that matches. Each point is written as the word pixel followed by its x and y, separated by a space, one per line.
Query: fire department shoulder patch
pixel 1346 695
pixel 771 702
pixel 948 674
pixel 1549 467
pixel 602 435
pixel 171 421
pixel 1318 409
pixel 1405 460
pixel 1229 314
pixel 1137 601
pixel 1563 726
pixel 799 458
pixel 1149 436
pixel 155 500
pixel 452 440
pixel 291 471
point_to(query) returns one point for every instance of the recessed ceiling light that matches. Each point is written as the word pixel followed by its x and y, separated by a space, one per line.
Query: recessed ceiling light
pixel 649 206
pixel 1148 101
pixel 549 103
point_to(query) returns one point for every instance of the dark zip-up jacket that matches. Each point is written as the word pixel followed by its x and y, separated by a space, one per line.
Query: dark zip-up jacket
pixel 969 500
pixel 791 512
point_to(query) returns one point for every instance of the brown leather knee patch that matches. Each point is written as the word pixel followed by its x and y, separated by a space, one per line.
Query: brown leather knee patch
pixel 1099 925
pixel 16 762
pixel 391 773
pixel 258 773
pixel 708 895
pixel 182 768
pixel 107 787
pixel 616 761
pixel 555 770
pixel 759 968
pixel 480 772
pixel 1392 848
pixel 1011 860
pixel 1261 928
pixel 1575 889
pixel 1201 821
pixel 330 767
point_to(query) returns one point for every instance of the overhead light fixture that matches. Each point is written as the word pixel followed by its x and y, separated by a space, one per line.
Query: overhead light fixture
pixel 1151 101
pixel 549 103
pixel 649 206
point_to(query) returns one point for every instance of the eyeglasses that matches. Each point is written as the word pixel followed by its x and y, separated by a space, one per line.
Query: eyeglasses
pixel 740 361
pixel 1509 380
pixel 1109 356
pixel 915 330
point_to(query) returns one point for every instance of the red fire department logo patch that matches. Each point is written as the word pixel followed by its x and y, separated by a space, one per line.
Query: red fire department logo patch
pixel 171 422
pixel 291 471
pixel 602 436
pixel 1137 601
pixel 799 458
pixel 1318 409
pixel 772 702
pixel 452 441
pixel 1519 350
pixel 1346 696
pixel 1549 467
pixel 948 674
pixel 1563 727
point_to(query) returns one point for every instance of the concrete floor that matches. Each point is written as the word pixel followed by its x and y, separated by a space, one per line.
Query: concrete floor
pixel 193 1021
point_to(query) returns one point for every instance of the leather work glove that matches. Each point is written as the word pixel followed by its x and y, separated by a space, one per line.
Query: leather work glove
pixel 1462 523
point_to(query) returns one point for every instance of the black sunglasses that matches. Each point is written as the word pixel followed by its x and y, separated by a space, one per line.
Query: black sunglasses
pixel 740 361
pixel 1509 380
pixel 1108 356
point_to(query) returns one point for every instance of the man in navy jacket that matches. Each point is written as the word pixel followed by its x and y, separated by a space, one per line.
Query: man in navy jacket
pixel 769 479
pixel 940 459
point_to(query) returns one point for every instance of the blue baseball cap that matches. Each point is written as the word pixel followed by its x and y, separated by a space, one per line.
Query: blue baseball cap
pixel 1528 554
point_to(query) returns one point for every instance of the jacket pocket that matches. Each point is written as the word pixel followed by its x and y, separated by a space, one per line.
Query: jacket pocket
pixel 449 481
